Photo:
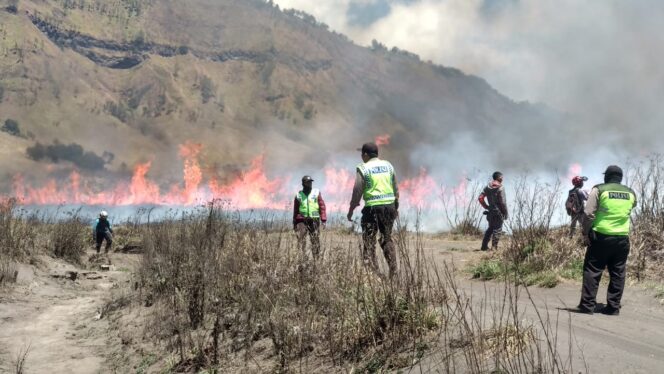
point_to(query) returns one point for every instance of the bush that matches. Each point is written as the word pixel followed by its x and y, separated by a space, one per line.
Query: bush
pixel 73 153
pixel 69 237
pixel 11 127
pixel 8 271
pixel 17 233
pixel 207 89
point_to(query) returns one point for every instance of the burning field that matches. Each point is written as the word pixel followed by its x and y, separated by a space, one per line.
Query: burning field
pixel 252 188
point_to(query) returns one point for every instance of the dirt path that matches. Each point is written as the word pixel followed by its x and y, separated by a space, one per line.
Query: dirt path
pixel 57 319
pixel 630 343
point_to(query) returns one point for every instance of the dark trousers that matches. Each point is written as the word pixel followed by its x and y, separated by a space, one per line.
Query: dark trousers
pixel 376 219
pixel 312 227
pixel 604 252
pixel 494 230
pixel 100 237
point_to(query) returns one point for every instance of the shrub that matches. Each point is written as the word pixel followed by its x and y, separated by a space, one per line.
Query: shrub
pixel 17 232
pixel 69 237
pixel 207 89
pixel 11 127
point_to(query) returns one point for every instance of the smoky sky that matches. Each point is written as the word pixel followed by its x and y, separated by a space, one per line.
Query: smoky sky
pixel 597 63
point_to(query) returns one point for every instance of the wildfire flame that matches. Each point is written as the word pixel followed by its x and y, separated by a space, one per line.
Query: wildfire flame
pixel 573 171
pixel 382 140
pixel 250 189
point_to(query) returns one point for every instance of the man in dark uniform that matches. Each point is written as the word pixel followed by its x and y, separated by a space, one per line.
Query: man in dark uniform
pixel 606 227
pixel 496 210
pixel 101 231
pixel 308 215
pixel 376 183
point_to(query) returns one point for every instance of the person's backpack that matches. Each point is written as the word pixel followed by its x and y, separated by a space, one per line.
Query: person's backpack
pixel 572 203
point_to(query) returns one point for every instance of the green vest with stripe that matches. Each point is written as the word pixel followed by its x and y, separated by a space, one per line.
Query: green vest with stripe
pixel 378 182
pixel 615 206
pixel 309 203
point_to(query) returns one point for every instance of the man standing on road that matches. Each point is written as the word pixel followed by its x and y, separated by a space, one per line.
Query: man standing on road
pixel 606 227
pixel 102 231
pixel 376 183
pixel 576 203
pixel 496 210
pixel 308 215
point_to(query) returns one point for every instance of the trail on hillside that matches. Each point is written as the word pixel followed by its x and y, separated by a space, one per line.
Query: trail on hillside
pixel 56 320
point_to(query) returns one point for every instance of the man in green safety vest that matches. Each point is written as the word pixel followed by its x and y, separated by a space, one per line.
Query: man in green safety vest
pixel 606 228
pixel 376 183
pixel 308 215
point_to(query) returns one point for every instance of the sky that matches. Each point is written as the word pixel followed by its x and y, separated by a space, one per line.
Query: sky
pixel 601 60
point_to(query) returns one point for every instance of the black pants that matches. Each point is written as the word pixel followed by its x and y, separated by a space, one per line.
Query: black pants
pixel 494 230
pixel 604 252
pixel 312 227
pixel 376 219
pixel 100 237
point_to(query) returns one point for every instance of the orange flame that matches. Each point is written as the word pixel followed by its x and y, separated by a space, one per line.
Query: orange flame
pixel 574 170
pixel 382 140
pixel 250 189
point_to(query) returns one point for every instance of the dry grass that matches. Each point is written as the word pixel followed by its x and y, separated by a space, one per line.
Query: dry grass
pixel 17 232
pixel 219 286
pixel 536 251
pixel 647 251
pixel 69 237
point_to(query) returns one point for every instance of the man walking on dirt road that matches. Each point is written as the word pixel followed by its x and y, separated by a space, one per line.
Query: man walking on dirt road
pixel 308 215
pixel 606 227
pixel 576 203
pixel 496 212
pixel 376 183
pixel 102 231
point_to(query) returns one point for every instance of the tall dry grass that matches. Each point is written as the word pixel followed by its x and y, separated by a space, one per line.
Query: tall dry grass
pixel 219 284
pixel 647 240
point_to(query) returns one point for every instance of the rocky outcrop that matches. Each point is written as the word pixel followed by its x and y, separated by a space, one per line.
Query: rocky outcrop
pixel 122 55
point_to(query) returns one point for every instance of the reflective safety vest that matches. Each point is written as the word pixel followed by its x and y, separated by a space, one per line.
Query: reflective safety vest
pixel 309 204
pixel 378 182
pixel 615 206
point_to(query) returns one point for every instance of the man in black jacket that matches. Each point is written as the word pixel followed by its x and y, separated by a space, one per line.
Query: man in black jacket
pixel 101 231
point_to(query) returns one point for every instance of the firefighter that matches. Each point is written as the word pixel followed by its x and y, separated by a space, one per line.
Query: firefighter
pixel 309 215
pixel 376 183
pixel 606 226
pixel 496 210
pixel 101 231
pixel 576 202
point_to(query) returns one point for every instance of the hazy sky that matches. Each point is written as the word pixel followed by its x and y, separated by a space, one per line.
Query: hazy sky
pixel 599 57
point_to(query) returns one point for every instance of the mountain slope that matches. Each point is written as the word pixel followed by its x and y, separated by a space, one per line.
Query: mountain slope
pixel 129 80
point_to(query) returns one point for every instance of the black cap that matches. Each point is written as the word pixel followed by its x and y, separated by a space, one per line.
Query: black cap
pixel 307 178
pixel 613 170
pixel 369 148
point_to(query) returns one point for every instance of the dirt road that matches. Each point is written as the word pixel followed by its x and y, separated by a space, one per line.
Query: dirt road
pixel 630 343
pixel 55 319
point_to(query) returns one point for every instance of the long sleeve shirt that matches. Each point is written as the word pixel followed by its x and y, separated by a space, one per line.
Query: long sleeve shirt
pixel 358 189
pixel 298 217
